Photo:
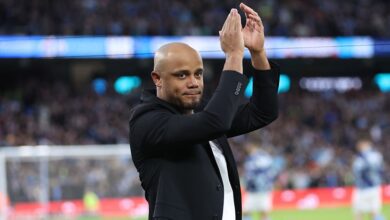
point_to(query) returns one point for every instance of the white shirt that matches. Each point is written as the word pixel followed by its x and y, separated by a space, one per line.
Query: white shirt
pixel 229 211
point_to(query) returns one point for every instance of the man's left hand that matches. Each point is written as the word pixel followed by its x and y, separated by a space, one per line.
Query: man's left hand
pixel 253 31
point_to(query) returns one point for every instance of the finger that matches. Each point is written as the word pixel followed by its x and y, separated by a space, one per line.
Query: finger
pixel 251 24
pixel 248 10
pixel 250 14
pixel 255 18
pixel 257 22
pixel 231 22
pixel 242 5
pixel 245 12
pixel 225 23
pixel 237 21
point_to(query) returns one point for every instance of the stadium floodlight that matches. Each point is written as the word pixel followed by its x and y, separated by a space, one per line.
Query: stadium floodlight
pixel 126 84
pixel 284 85
pixel 339 84
pixel 382 80
pixel 99 85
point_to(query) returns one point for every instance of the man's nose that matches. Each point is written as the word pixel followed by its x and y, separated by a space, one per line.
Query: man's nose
pixel 193 82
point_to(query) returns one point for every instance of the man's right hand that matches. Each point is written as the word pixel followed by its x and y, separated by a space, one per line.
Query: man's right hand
pixel 232 41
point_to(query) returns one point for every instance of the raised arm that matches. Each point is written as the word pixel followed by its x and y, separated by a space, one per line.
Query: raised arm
pixel 262 108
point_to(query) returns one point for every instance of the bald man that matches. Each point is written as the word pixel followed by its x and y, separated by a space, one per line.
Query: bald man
pixel 185 164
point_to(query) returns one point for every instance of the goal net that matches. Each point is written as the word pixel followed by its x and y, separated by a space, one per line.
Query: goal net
pixel 46 182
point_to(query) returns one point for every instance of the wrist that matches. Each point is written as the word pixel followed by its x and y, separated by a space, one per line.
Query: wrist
pixel 259 60
pixel 235 55
pixel 234 62
pixel 257 53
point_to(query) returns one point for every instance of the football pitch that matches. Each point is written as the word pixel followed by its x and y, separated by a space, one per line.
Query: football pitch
pixel 315 214
pixel 321 214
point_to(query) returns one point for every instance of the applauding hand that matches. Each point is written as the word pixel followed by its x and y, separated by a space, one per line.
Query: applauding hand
pixel 253 31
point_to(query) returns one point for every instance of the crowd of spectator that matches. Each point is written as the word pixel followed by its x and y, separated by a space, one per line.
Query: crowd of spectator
pixel 315 135
pixel 313 138
pixel 201 17
pixel 55 115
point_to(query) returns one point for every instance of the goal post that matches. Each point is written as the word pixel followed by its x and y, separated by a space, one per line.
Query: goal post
pixel 43 164
pixel 3 189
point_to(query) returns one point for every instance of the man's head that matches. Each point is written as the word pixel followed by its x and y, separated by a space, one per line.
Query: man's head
pixel 178 75
pixel 363 142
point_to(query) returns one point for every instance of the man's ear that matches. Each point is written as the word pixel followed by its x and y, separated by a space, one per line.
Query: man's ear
pixel 156 78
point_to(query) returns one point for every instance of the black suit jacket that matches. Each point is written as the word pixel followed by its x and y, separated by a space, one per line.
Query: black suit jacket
pixel 172 154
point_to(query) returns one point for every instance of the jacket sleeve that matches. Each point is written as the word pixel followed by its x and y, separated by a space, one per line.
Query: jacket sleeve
pixel 262 107
pixel 163 128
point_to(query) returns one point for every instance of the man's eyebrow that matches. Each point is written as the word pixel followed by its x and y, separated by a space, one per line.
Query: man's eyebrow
pixel 199 70
pixel 186 72
pixel 181 72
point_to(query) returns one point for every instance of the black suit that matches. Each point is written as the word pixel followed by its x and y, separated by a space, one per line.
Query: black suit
pixel 172 154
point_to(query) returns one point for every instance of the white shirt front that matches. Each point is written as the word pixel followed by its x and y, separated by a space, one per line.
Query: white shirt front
pixel 229 211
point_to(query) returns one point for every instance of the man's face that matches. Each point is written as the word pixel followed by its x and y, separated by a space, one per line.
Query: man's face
pixel 181 80
pixel 363 145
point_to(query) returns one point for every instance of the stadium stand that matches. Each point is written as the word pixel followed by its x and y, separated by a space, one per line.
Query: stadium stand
pixel 203 17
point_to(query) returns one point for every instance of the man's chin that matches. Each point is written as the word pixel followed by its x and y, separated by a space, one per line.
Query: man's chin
pixel 190 105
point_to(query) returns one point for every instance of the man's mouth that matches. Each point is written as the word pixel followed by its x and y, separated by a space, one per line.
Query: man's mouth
pixel 192 93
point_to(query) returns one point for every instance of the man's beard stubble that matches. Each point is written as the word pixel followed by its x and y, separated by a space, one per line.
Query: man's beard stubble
pixel 187 106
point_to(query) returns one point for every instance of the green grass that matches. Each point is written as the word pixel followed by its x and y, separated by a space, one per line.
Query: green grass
pixel 319 214
pixel 316 214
